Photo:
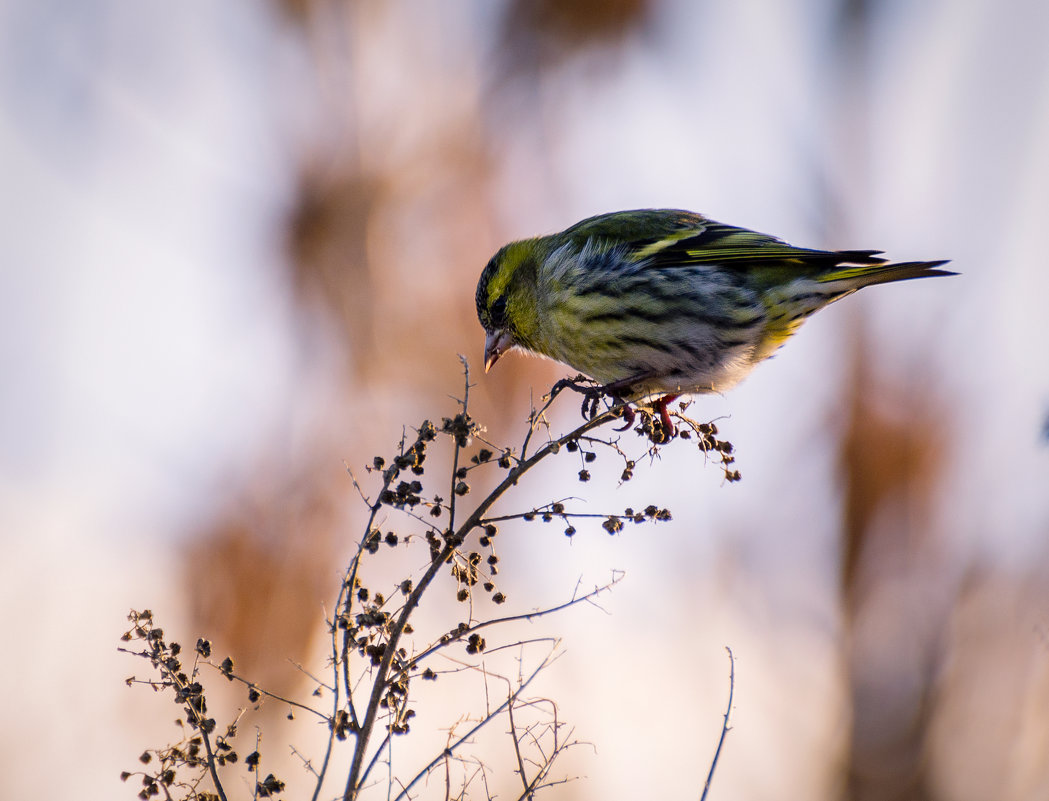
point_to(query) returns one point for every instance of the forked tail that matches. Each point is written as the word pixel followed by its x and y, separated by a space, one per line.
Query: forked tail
pixel 856 276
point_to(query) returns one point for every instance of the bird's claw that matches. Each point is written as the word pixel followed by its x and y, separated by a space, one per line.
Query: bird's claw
pixel 574 384
pixel 664 416
pixel 592 398
pixel 628 417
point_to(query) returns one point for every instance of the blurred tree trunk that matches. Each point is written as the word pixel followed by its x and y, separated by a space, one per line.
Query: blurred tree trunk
pixel 896 596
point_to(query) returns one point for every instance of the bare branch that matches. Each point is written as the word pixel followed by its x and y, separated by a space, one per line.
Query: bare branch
pixel 724 725
pixel 449 750
pixel 517 746
pixel 459 634
pixel 371 670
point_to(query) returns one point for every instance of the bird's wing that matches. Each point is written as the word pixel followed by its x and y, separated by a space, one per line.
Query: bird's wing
pixel 637 229
pixel 743 249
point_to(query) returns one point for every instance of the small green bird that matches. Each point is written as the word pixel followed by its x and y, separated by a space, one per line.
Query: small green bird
pixel 664 302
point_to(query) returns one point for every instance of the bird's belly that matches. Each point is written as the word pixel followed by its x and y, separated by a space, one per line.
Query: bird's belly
pixel 692 363
pixel 668 331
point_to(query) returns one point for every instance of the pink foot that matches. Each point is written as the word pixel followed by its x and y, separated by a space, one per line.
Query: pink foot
pixel 664 416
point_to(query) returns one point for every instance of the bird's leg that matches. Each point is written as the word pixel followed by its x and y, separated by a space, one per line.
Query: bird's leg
pixel 664 416
pixel 616 390
pixel 574 384
pixel 592 396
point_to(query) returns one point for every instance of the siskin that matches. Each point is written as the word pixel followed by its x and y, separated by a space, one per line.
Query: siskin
pixel 664 302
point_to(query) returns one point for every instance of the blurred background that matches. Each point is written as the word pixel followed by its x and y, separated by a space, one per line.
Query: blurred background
pixel 239 248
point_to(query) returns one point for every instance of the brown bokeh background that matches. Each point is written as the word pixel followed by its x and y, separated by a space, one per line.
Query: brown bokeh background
pixel 242 249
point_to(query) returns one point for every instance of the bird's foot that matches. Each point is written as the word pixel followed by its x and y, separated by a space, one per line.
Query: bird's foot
pixel 628 414
pixel 660 407
pixel 592 395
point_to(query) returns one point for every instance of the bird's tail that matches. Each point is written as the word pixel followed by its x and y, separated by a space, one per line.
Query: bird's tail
pixel 857 276
pixel 857 269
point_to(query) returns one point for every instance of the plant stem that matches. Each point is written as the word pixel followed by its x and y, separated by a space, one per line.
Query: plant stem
pixel 357 773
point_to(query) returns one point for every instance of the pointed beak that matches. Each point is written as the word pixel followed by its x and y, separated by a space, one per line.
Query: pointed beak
pixel 496 343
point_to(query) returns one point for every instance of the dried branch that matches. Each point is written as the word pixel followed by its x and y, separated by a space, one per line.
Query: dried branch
pixel 724 725
pixel 372 672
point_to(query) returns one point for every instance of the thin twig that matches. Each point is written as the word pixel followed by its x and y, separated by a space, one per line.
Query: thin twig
pixel 449 750
pixel 517 747
pixel 452 495
pixel 724 725
pixel 307 763
pixel 281 699
pixel 386 741
pixel 212 769
pixel 456 635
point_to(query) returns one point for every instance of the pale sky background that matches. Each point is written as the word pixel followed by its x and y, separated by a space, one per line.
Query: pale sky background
pixel 150 347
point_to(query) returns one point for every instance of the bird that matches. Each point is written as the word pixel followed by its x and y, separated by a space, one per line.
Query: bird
pixel 656 303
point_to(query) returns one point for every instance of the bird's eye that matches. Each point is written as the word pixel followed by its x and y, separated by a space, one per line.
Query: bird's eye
pixel 498 312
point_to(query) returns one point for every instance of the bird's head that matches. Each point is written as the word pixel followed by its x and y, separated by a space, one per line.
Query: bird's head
pixel 506 300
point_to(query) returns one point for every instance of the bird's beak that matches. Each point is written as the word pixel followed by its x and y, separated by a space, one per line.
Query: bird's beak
pixel 496 343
